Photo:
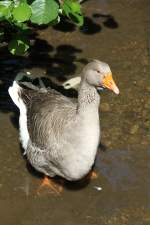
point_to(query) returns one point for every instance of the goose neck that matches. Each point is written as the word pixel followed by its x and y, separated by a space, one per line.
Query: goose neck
pixel 88 96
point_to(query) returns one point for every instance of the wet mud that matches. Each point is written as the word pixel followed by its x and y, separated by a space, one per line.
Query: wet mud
pixel 118 33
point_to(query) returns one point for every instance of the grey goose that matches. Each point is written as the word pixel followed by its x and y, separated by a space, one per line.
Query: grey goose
pixel 61 137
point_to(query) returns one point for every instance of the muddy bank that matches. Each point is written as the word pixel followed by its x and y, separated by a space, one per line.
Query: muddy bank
pixel 116 32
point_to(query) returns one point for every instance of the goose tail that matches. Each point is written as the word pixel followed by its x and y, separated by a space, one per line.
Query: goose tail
pixel 14 92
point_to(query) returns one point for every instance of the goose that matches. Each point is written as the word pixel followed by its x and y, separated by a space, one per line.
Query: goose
pixel 60 137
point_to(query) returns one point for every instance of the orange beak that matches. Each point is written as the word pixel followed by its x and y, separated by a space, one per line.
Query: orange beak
pixel 109 83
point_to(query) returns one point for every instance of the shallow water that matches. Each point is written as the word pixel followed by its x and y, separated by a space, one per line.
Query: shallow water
pixel 116 32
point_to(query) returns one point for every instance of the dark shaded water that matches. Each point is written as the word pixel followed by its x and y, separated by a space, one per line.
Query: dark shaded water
pixel 116 32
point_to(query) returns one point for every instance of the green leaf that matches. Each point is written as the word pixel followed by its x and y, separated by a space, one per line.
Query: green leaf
pixel 66 9
pixel 70 6
pixel 75 6
pixel 5 9
pixel 77 19
pixel 72 10
pixel 18 46
pixel 22 12
pixel 56 21
pixel 23 27
pixel 44 11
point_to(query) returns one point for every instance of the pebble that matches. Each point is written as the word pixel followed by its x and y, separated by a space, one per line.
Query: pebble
pixel 147 105
pixel 148 88
pixel 147 124
pixel 134 129
pixel 98 188
pixel 145 113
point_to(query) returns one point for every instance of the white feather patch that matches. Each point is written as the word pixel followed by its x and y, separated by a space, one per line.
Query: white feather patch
pixel 14 94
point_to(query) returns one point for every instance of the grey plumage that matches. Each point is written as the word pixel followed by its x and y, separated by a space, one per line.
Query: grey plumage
pixel 61 137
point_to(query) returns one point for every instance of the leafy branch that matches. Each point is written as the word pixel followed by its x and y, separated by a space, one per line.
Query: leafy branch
pixel 15 16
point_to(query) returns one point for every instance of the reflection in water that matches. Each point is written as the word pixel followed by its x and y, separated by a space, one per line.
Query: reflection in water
pixel 121 167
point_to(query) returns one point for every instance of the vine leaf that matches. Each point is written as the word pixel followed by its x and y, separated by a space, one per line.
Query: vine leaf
pixel 44 11
pixel 22 12
pixel 72 10
pixel 18 45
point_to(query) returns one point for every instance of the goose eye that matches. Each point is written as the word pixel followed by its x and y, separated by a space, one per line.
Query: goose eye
pixel 98 71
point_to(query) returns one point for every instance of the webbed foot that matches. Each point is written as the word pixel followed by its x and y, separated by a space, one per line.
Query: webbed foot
pixel 53 187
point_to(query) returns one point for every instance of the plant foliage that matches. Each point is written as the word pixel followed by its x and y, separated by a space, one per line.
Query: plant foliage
pixel 15 15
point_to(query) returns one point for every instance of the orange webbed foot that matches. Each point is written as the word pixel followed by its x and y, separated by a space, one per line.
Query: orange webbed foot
pixel 92 175
pixel 53 187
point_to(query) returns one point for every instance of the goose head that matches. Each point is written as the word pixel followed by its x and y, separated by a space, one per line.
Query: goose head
pixel 98 74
